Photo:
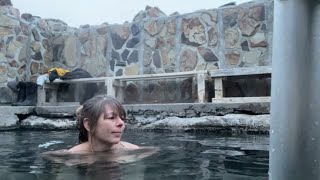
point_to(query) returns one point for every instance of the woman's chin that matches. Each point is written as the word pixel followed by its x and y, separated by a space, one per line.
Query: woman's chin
pixel 115 140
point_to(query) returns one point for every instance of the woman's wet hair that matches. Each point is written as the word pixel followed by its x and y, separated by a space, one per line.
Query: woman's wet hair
pixel 92 109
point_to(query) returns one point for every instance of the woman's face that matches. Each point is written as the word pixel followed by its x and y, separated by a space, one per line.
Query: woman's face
pixel 109 127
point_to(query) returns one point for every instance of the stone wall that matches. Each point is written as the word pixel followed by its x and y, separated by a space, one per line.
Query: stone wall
pixel 228 37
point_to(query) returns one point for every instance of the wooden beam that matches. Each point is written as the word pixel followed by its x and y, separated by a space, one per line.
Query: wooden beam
pixel 242 99
pixel 241 71
pixel 218 87
pixel 134 77
pixel 68 103
pixel 88 80
pixel 160 76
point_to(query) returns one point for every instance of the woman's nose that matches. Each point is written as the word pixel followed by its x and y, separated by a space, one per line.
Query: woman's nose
pixel 120 122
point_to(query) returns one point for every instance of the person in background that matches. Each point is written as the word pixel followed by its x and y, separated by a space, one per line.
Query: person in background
pixel 26 92
pixel 100 121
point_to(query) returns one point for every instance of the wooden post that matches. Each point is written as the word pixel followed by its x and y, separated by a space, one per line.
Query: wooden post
pixel 53 98
pixel 218 87
pixel 119 86
pixel 111 91
pixel 201 81
pixel 121 93
pixel 76 94
pixel 41 96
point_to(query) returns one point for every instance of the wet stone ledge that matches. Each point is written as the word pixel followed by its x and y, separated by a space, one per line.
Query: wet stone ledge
pixel 243 117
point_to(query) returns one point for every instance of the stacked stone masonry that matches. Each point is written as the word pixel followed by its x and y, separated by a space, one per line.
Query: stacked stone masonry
pixel 227 37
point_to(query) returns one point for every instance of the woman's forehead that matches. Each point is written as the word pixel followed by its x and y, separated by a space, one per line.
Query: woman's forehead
pixel 110 109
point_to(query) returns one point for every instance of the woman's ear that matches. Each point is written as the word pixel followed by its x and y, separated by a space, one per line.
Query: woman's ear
pixel 86 124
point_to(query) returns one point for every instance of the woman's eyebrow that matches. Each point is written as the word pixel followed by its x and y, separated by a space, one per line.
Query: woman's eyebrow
pixel 110 114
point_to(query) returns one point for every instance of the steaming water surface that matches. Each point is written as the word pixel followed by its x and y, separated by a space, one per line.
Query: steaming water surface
pixel 180 156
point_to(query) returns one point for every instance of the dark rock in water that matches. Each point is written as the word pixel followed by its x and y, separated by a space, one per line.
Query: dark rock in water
pixel 5 3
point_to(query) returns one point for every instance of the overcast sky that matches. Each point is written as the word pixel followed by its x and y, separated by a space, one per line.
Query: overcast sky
pixel 95 12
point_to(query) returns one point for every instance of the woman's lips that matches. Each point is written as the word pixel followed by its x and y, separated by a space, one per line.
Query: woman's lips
pixel 117 133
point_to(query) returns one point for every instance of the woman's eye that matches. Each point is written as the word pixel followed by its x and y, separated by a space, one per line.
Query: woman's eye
pixel 109 117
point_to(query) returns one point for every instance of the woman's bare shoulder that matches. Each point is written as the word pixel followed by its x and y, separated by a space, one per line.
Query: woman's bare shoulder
pixel 128 145
pixel 56 152
pixel 81 148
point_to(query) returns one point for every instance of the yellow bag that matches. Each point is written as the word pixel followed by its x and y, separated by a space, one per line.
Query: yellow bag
pixel 61 72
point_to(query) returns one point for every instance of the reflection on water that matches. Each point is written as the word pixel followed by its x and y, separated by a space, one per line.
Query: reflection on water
pixel 181 156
